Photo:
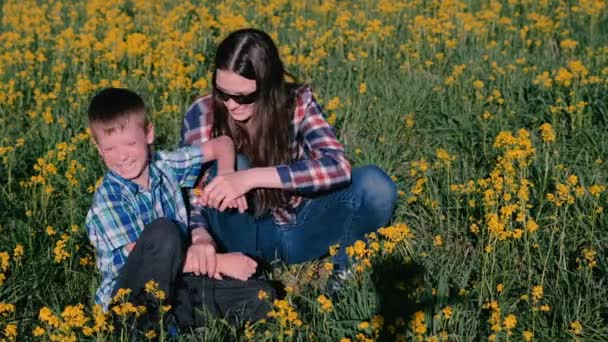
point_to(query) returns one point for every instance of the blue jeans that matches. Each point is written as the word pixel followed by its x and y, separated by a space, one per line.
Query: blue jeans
pixel 341 216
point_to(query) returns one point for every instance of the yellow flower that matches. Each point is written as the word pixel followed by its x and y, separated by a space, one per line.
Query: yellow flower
pixel 6 308
pixel 333 249
pixel 10 331
pixel 4 261
pixel 262 295
pixel 150 335
pixel 509 322
pixel 445 158
pixel 333 104
pixel 528 335
pixel 418 324
pixel 537 292
pixel 531 226
pixel 500 288
pixel 362 88
pixel 572 179
pixel 596 190
pixel 438 241
pixel 18 251
pixel 326 304
pixel 38 331
pixel 377 322
pixel 409 120
pixel 332 119
pixel 547 133
pixel 576 327
pixel 363 325
pixel 447 312
pixel 568 44
pixel 478 84
pixel 151 287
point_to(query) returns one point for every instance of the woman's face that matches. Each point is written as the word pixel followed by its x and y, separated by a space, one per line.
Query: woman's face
pixel 231 87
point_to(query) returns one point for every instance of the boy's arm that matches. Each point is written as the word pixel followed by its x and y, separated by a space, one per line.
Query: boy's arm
pixel 221 149
pixel 111 225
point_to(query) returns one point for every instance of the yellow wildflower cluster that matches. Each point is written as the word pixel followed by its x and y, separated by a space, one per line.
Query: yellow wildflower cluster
pixel 9 332
pixel 151 287
pixel 576 328
pixel 588 258
pixel 60 251
pixel 419 169
pixel 444 159
pixel 4 265
pixel 122 307
pixel 286 315
pixel 418 324
pixel 497 323
pixel 46 167
pixel 72 321
pixel 565 193
pixel 325 304
pixel 547 133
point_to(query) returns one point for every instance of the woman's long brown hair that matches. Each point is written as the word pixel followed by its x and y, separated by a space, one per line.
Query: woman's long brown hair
pixel 252 54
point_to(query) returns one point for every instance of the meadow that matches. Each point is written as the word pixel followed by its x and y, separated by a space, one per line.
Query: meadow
pixel 491 116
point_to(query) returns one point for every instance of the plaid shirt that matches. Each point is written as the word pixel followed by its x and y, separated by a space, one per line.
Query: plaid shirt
pixel 121 209
pixel 318 161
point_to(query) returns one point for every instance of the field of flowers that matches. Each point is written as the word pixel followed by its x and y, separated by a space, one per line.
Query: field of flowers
pixel 491 116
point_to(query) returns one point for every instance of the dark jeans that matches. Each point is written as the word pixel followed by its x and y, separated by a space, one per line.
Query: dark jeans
pixel 341 216
pixel 159 255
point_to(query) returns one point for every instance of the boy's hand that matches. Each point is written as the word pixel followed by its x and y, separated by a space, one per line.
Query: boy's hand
pixel 130 247
pixel 235 265
pixel 201 254
pixel 201 259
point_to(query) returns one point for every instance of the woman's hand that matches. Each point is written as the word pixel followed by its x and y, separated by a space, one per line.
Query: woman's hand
pixel 226 190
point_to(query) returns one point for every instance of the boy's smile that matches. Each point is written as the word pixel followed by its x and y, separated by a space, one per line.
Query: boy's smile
pixel 125 148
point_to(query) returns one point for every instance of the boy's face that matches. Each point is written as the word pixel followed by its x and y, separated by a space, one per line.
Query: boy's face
pixel 124 146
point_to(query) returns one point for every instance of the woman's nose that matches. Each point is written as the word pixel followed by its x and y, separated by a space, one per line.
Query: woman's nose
pixel 231 104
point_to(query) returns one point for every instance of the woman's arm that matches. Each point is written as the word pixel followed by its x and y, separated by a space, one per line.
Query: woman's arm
pixel 325 168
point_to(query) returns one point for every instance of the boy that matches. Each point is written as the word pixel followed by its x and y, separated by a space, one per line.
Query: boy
pixel 138 221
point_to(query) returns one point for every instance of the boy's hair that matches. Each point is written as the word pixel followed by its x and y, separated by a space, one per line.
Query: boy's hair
pixel 114 106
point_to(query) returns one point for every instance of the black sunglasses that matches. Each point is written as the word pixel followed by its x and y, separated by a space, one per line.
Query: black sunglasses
pixel 243 99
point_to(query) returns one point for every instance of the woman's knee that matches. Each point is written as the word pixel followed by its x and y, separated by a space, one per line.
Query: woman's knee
pixel 376 188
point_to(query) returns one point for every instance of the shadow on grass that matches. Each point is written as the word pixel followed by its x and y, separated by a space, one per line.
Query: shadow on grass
pixel 396 284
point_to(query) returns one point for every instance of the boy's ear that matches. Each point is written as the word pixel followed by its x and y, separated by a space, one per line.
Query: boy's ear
pixel 150 133
pixel 94 141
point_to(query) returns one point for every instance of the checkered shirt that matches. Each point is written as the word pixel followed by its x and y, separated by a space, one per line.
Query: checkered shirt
pixel 318 161
pixel 121 209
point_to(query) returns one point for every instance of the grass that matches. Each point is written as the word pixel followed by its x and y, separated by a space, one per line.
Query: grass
pixel 443 81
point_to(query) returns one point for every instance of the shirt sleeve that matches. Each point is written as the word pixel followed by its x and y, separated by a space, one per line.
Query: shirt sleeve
pixel 186 162
pixel 326 166
pixel 111 226
pixel 197 126
pixel 196 129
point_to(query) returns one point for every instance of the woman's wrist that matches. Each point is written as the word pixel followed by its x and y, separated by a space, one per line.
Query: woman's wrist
pixel 262 177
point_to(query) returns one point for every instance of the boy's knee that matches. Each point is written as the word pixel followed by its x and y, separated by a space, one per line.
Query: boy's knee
pixel 161 234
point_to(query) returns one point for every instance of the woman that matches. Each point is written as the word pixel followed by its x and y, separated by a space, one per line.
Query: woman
pixel 302 195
